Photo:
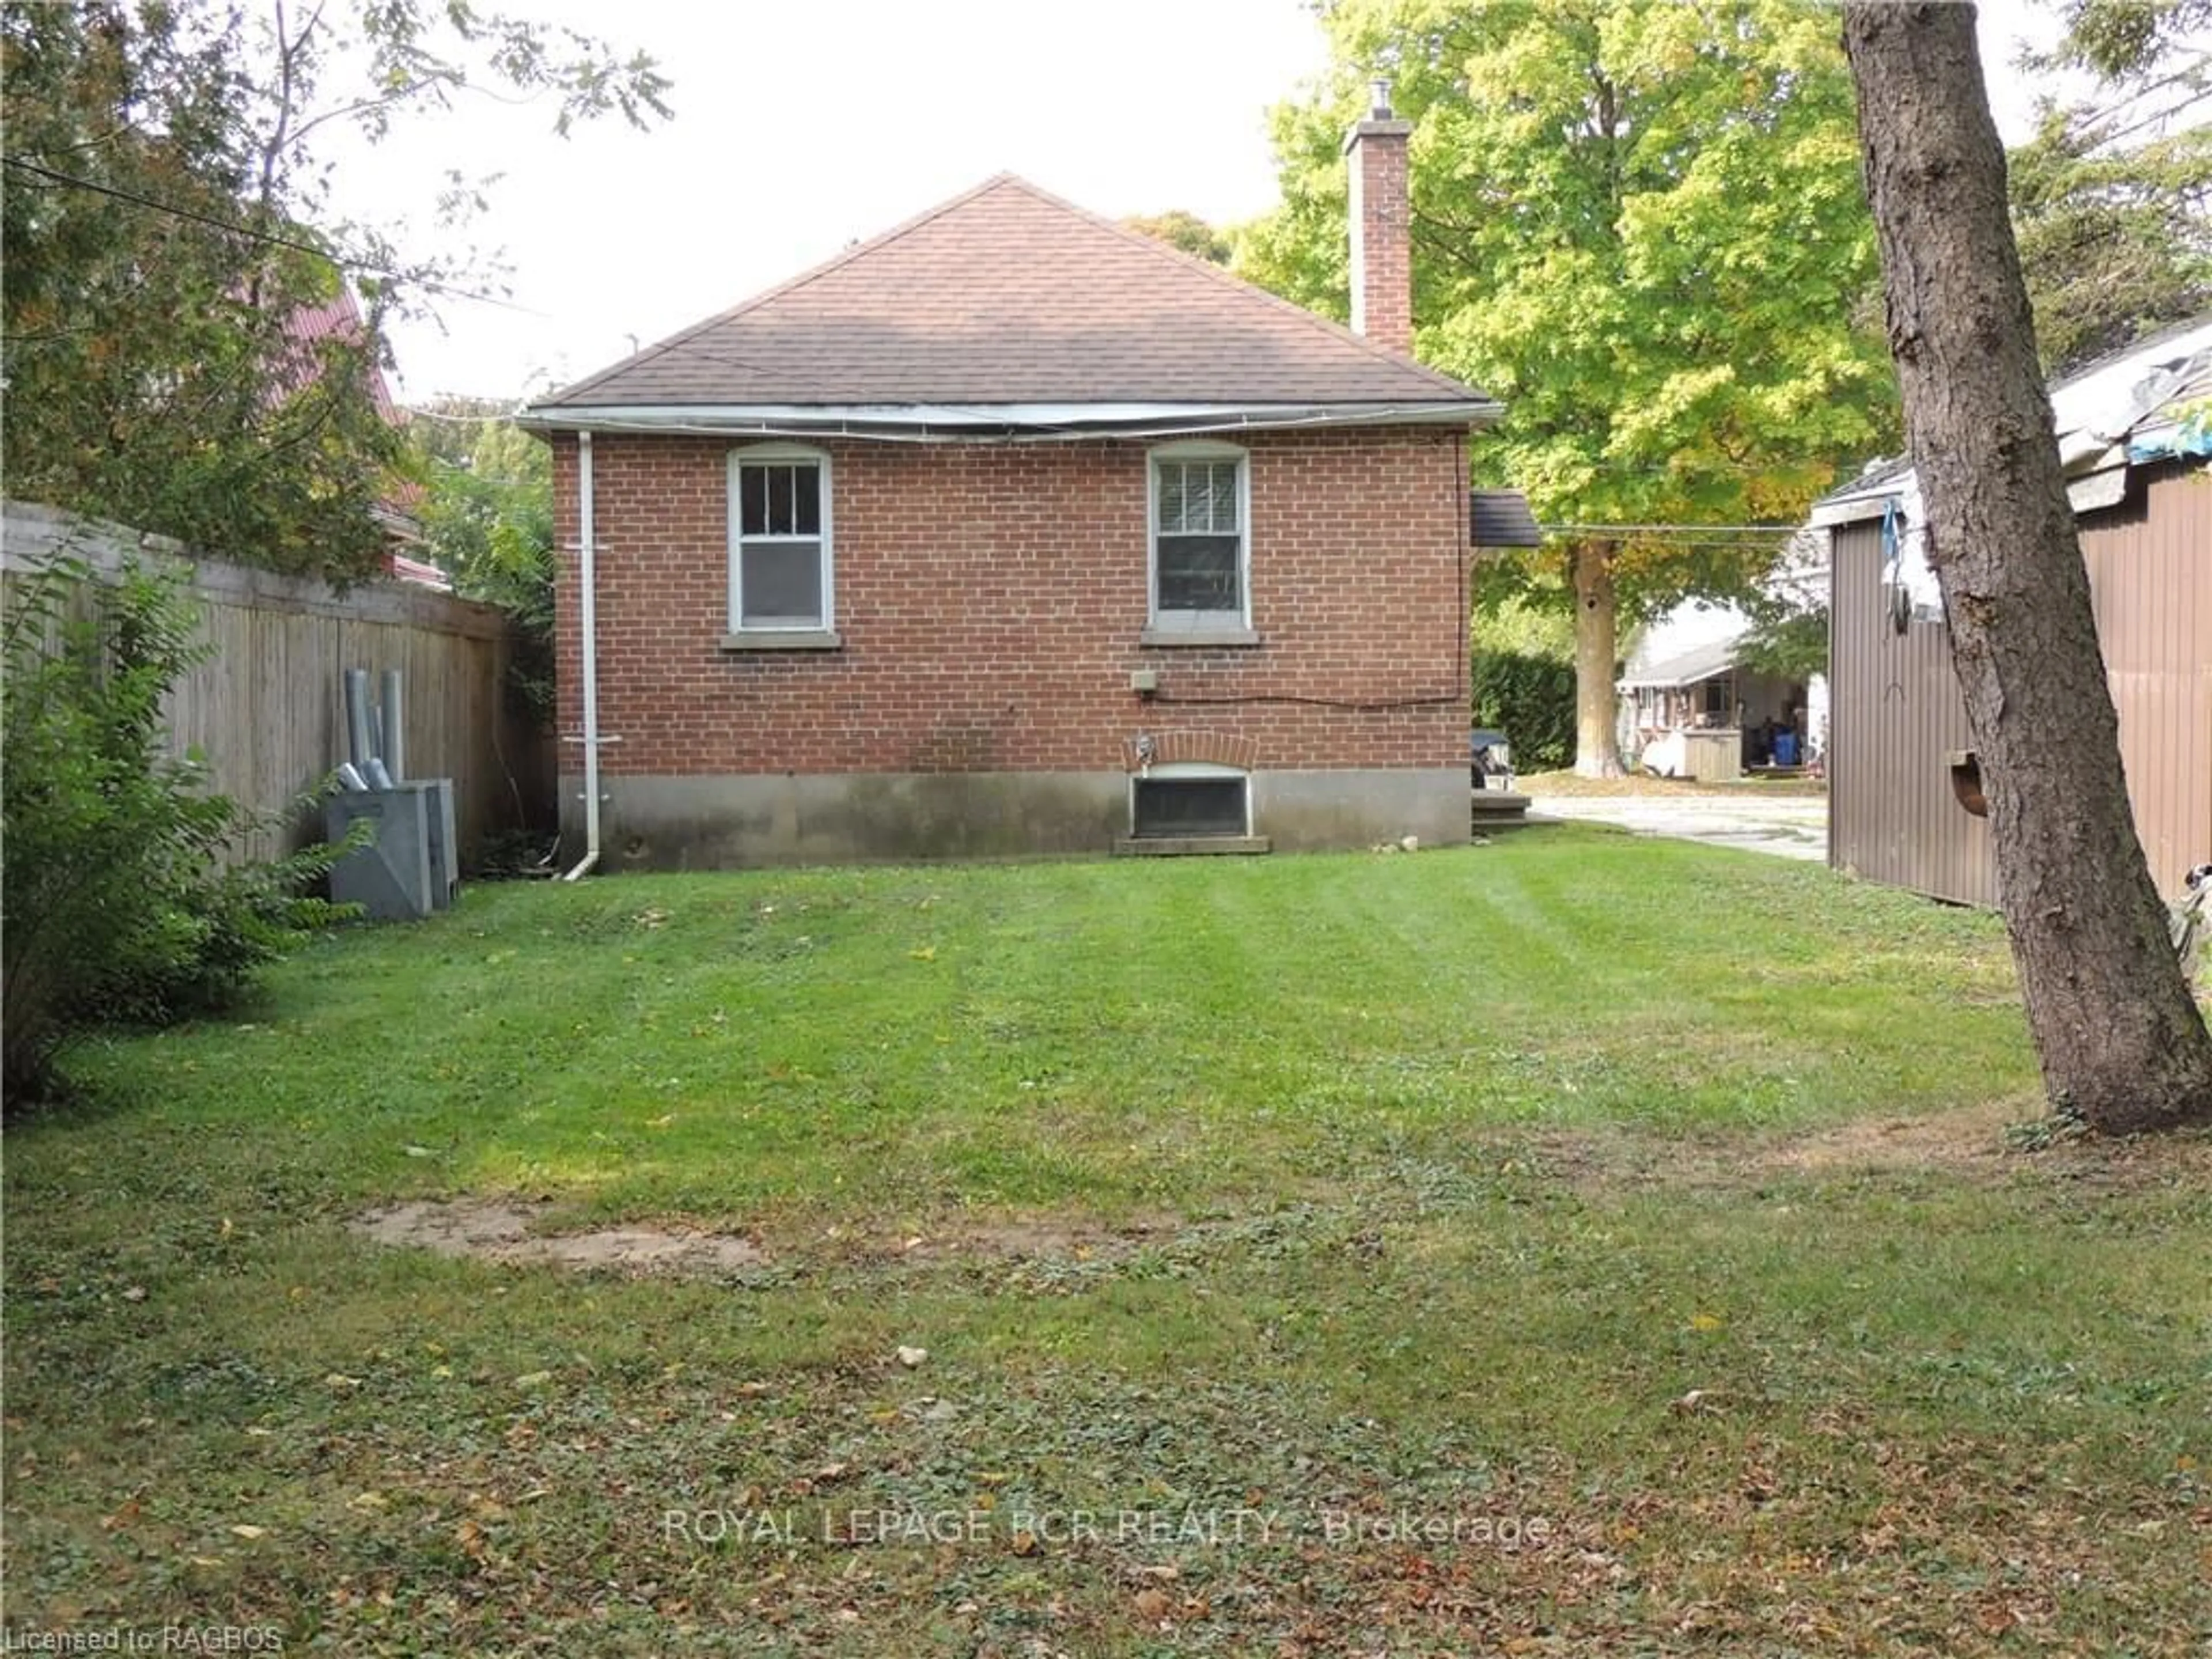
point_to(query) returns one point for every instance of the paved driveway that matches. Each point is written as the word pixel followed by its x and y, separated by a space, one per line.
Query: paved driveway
pixel 1789 826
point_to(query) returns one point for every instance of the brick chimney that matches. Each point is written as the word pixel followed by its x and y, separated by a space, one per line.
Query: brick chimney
pixel 1382 239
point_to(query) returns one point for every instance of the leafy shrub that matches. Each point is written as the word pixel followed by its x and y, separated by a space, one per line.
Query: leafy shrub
pixel 488 517
pixel 113 903
pixel 1532 700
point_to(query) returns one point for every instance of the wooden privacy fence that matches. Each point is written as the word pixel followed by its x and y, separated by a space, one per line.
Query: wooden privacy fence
pixel 267 709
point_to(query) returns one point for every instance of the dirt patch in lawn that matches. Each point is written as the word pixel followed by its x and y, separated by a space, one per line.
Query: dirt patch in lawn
pixel 1017 1239
pixel 1999 1140
pixel 499 1230
pixel 1605 1161
pixel 1971 1141
pixel 505 1230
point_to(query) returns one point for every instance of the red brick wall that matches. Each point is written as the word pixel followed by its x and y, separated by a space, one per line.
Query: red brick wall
pixel 991 596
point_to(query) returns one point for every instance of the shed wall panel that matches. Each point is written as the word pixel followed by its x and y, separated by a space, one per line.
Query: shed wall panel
pixel 2150 568
pixel 1897 710
pixel 1896 714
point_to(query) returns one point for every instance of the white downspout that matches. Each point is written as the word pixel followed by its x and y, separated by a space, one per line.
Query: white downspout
pixel 587 618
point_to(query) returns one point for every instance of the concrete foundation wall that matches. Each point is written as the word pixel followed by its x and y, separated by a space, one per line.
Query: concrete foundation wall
pixel 728 822
pixel 1319 811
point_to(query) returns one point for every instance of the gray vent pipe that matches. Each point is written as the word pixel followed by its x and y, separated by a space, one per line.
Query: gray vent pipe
pixel 356 709
pixel 395 727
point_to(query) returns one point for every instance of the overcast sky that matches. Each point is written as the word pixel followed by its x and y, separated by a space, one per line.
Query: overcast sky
pixel 800 128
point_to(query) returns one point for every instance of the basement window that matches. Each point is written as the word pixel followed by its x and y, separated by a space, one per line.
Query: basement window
pixel 1173 802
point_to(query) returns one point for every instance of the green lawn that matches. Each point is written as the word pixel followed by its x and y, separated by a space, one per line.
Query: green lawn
pixel 1574 1244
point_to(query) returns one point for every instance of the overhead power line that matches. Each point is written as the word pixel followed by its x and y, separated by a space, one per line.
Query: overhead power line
pixel 1657 529
pixel 341 261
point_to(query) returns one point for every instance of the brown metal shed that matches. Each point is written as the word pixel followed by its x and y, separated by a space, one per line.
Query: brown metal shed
pixel 1896 714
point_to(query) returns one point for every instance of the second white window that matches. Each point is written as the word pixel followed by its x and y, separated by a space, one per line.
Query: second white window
pixel 1201 551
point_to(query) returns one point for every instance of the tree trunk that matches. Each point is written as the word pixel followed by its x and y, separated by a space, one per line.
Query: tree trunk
pixel 1597 740
pixel 2120 1039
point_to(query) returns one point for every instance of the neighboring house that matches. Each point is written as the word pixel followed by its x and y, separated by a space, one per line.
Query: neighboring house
pixel 398 514
pixel 420 572
pixel 1904 783
pixel 1690 707
pixel 1010 532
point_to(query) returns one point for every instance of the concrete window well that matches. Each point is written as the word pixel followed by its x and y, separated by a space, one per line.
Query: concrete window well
pixel 1191 807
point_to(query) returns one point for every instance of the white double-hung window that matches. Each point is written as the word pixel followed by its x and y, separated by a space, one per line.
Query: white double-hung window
pixel 1200 544
pixel 780 546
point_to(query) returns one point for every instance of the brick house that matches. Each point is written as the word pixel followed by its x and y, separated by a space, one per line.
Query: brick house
pixel 1014 532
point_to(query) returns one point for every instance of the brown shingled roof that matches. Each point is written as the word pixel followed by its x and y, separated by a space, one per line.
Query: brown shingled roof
pixel 1007 295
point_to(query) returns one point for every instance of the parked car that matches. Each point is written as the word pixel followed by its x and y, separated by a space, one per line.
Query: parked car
pixel 1491 758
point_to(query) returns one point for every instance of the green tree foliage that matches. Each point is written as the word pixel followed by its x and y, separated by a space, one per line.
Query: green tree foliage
pixel 1788 636
pixel 1181 228
pixel 112 906
pixel 152 376
pixel 2114 243
pixel 2111 199
pixel 1638 224
pixel 168 230
pixel 1513 621
pixel 1521 674
pixel 487 518
pixel 1789 613
pixel 2134 40
pixel 1529 697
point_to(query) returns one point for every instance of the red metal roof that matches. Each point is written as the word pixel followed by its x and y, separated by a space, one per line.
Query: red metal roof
pixel 339 318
